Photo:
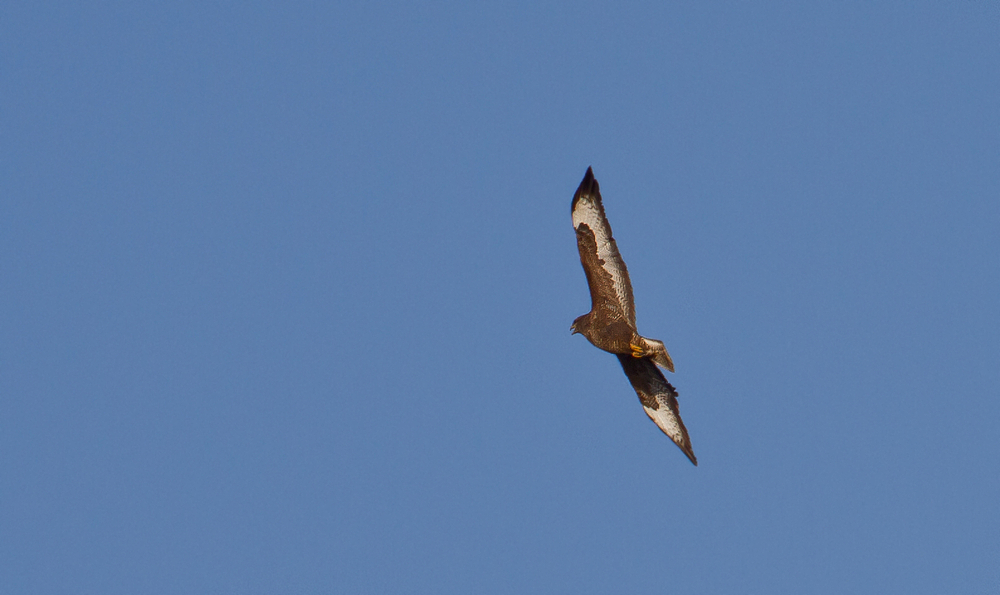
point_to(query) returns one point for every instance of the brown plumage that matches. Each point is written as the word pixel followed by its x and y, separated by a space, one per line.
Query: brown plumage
pixel 610 324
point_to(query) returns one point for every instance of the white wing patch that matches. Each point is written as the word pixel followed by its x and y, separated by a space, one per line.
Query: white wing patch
pixel 666 420
pixel 590 212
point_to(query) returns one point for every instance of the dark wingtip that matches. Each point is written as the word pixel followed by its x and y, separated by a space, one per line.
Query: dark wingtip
pixel 588 187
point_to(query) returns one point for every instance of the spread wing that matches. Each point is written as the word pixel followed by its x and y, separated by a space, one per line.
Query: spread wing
pixel 607 275
pixel 659 400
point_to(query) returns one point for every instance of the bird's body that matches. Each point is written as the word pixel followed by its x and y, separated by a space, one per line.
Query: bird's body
pixel 610 324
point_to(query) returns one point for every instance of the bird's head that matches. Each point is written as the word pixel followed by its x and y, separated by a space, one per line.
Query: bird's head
pixel 579 325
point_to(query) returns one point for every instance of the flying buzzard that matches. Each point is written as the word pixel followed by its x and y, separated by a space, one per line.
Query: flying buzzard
pixel 610 324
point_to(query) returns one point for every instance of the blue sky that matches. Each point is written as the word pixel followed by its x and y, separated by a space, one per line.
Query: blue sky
pixel 286 294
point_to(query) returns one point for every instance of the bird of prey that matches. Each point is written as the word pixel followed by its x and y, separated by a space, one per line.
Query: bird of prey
pixel 610 324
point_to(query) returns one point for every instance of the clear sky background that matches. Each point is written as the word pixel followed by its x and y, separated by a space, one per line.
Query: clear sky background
pixel 286 292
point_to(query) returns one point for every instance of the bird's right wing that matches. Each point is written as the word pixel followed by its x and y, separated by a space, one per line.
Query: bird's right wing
pixel 659 400
pixel 607 275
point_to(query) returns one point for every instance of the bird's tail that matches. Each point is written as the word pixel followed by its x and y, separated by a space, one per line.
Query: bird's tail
pixel 659 354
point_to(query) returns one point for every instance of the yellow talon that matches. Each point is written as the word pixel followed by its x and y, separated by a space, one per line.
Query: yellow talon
pixel 637 351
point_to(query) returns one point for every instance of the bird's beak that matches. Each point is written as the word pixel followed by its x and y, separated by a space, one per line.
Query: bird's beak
pixel 572 329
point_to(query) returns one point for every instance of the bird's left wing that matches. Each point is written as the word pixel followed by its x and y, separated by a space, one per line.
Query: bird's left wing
pixel 659 400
